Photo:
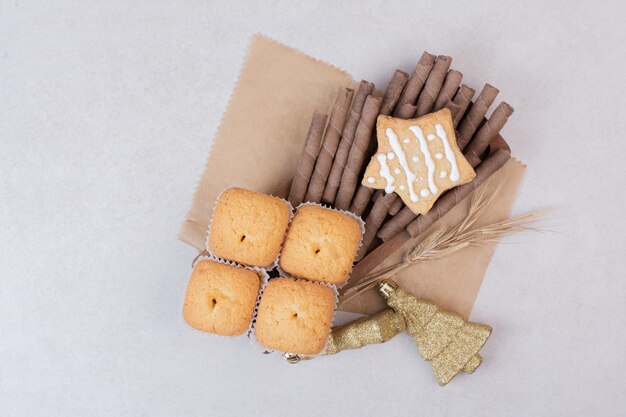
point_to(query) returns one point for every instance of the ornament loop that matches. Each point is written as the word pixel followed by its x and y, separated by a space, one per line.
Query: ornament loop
pixel 291 358
pixel 386 287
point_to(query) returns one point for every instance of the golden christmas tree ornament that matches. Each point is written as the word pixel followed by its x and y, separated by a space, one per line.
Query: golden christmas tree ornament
pixel 446 340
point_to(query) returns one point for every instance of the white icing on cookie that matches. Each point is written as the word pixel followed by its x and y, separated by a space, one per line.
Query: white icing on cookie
pixel 406 140
pixel 385 173
pixel 431 136
pixel 415 159
pixel 397 149
pixel 397 171
pixel 402 187
pixel 371 180
pixel 429 161
pixel 454 171
pixel 390 155
pixel 443 174
pixel 438 155
pixel 424 192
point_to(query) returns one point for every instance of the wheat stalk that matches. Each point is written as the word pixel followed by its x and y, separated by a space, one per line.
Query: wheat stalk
pixel 441 243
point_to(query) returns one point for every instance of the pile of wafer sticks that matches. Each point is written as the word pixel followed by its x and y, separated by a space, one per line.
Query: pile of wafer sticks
pixel 338 148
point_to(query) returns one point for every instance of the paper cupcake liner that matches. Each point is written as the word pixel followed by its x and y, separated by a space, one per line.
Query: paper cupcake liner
pixel 252 335
pixel 347 213
pixel 263 349
pixel 274 263
pixel 263 279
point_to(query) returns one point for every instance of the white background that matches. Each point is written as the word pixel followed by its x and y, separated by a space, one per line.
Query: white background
pixel 107 111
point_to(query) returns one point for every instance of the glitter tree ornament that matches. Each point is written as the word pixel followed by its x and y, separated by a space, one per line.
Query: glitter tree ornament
pixel 446 340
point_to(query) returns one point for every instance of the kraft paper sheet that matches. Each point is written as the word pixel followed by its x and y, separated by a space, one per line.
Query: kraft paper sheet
pixel 258 144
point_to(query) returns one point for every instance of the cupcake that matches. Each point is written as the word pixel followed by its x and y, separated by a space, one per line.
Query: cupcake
pixel 248 227
pixel 321 245
pixel 295 316
pixel 221 298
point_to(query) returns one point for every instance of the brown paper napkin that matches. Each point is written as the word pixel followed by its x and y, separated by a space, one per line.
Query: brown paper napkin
pixel 257 147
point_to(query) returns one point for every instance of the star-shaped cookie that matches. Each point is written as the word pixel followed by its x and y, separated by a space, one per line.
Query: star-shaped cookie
pixel 418 159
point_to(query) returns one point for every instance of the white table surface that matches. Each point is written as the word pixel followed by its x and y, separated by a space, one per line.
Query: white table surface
pixel 107 111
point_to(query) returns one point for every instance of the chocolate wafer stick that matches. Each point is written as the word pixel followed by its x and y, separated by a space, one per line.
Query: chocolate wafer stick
pixel 362 197
pixel 306 163
pixel 488 131
pixel 358 153
pixel 454 196
pixel 334 178
pixel 390 98
pixel 374 220
pixel 461 102
pixel 377 193
pixel 396 207
pixel 332 135
pixel 477 112
pixel 397 223
pixel 392 93
pixel 454 108
pixel 448 89
pixel 405 108
pixel 433 85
